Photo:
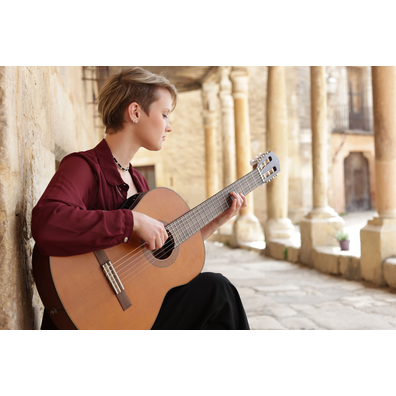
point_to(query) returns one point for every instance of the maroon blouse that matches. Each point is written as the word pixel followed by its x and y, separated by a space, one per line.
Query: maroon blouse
pixel 79 211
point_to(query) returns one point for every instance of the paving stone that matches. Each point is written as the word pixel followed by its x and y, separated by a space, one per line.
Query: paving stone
pixel 282 295
pixel 264 322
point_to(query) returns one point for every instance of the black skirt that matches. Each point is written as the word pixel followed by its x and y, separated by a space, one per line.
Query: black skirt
pixel 209 302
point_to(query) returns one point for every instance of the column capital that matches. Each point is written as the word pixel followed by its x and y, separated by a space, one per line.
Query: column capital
pixel 225 94
pixel 240 81
pixel 209 95
pixel 209 98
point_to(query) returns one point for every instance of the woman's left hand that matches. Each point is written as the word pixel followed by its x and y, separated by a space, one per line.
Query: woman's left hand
pixel 238 203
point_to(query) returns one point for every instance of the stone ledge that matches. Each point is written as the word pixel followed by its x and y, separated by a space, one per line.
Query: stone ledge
pixel 390 271
pixel 350 266
pixel 327 259
pixel 282 249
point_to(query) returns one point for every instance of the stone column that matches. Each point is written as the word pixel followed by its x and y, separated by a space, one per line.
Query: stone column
pixel 278 225
pixel 228 126
pixel 247 228
pixel 379 235
pixel 318 228
pixel 209 97
pixel 228 136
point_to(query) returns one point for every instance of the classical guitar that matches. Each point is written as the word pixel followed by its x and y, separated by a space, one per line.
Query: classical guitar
pixel 123 287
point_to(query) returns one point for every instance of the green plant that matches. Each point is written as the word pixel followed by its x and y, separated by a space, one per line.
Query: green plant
pixel 285 253
pixel 342 235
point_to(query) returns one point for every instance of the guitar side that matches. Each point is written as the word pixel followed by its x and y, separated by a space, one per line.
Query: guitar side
pixel 81 288
pixel 48 294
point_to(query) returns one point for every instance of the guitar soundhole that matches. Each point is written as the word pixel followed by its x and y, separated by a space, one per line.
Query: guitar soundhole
pixel 165 256
pixel 166 250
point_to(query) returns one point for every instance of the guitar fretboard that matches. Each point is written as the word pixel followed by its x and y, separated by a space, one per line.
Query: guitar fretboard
pixel 197 218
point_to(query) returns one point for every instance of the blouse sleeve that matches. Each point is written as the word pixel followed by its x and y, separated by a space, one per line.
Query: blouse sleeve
pixel 63 225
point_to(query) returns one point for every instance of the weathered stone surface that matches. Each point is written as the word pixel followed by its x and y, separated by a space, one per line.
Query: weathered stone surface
pixel 292 296
pixel 377 244
pixel 390 271
pixel 44 114
pixel 318 231
pixel 325 259
pixel 349 266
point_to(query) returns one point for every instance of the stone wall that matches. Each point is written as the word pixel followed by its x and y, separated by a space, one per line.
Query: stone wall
pixel 44 115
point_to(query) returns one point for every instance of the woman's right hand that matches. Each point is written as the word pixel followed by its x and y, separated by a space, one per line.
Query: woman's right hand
pixel 150 230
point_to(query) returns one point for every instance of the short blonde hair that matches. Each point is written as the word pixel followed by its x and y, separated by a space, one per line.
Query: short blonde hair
pixel 130 85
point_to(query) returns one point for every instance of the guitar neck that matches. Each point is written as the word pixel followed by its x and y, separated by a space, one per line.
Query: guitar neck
pixel 197 218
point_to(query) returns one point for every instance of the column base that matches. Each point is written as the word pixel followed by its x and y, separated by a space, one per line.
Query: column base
pixel 246 230
pixel 278 229
pixel 377 240
pixel 318 228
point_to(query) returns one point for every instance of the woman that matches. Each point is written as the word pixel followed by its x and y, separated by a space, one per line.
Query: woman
pixel 79 211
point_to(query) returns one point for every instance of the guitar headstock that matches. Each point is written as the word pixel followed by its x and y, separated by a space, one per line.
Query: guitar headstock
pixel 267 164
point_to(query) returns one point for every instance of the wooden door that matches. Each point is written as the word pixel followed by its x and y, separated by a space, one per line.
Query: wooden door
pixel 357 183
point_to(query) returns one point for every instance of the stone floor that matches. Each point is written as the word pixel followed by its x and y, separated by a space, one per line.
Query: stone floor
pixel 279 295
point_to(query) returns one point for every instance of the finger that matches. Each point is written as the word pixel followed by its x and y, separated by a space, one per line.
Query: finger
pixel 236 196
pixel 151 245
pixel 159 242
pixel 239 201
pixel 244 203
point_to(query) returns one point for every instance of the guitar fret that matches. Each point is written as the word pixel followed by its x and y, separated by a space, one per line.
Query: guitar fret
pixel 247 181
pixel 210 213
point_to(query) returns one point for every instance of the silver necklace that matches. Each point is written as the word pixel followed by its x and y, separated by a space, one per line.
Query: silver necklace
pixel 119 165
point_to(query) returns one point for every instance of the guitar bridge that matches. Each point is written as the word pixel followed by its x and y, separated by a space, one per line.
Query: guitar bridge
pixel 113 279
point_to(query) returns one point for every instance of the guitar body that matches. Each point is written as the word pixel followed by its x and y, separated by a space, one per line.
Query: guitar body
pixel 80 296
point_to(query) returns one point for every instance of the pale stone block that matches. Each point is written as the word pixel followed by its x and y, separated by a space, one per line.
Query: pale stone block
pixel 247 228
pixel 281 228
pixel 264 323
pixel 293 254
pixel 276 250
pixel 377 244
pixel 390 271
pixel 282 249
pixel 325 259
pixel 350 266
pixel 318 231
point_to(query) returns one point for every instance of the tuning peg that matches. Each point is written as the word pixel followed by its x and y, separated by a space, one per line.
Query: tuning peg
pixel 254 160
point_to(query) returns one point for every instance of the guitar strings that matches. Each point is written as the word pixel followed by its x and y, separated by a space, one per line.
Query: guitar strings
pixel 177 228
pixel 224 206
pixel 144 259
pixel 132 265
pixel 140 259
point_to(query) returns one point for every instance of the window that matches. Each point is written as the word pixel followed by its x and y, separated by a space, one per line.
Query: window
pixel 356 98
pixel 148 173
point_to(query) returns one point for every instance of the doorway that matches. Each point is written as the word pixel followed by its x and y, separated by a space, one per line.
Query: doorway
pixel 357 183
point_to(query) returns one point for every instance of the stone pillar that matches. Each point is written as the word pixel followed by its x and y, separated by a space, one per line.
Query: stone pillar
pixel 318 228
pixel 379 235
pixel 247 228
pixel 209 96
pixel 228 136
pixel 278 225
pixel 228 126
